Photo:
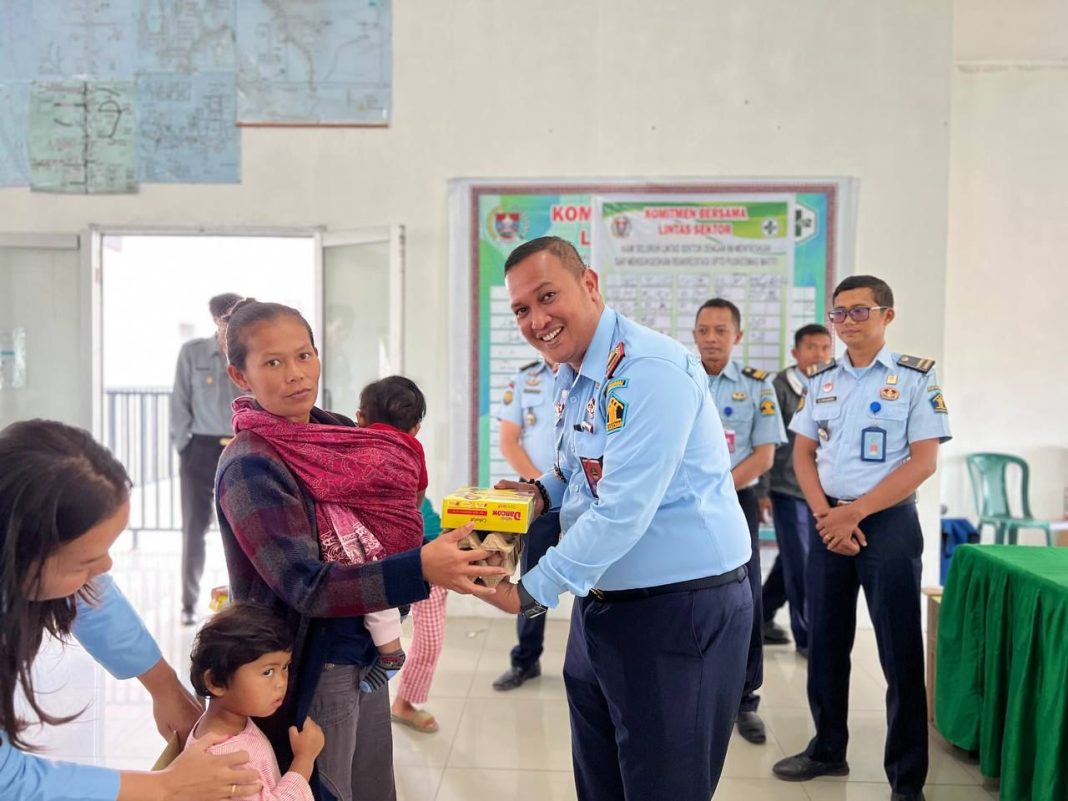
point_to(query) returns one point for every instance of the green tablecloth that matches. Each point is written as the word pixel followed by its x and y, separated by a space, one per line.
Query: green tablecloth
pixel 1003 666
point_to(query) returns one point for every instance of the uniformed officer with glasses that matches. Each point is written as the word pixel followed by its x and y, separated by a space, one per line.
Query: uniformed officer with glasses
pixel 868 431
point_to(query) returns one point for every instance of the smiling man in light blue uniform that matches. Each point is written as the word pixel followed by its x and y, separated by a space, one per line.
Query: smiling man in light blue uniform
pixel 752 426
pixel 654 545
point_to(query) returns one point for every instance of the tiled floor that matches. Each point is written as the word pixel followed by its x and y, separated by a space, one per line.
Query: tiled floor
pixel 491 745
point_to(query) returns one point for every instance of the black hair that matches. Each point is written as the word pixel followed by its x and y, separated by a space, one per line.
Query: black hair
pixel 221 304
pixel 810 330
pixel 555 245
pixel 246 313
pixel 721 303
pixel 880 290
pixel 239 634
pixel 56 483
pixel 395 401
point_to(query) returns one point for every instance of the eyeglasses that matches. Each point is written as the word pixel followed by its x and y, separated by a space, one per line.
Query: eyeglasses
pixel 857 313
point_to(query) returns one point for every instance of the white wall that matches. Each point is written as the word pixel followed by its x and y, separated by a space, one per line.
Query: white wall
pixel 1006 371
pixel 693 88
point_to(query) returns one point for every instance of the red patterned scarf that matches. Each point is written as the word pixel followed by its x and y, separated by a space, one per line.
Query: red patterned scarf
pixel 364 482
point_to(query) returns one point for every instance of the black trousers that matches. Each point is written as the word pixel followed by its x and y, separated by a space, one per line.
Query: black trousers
pixel 754 664
pixel 889 572
pixel 197 463
pixel 652 688
pixel 544 534
pixel 786 581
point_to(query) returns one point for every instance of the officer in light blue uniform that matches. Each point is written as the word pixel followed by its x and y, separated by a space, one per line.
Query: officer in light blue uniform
pixel 654 544
pixel 752 427
pixel 527 440
pixel 868 431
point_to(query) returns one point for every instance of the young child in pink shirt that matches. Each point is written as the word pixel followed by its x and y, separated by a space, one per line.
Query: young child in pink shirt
pixel 240 663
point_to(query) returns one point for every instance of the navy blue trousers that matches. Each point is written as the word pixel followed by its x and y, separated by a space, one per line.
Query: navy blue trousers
pixel 786 581
pixel 754 663
pixel 889 572
pixel 653 688
pixel 544 533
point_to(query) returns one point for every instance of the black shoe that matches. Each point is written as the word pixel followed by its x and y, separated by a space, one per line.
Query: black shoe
pixel 751 727
pixel 189 617
pixel 515 676
pixel 775 634
pixel 907 796
pixel 801 768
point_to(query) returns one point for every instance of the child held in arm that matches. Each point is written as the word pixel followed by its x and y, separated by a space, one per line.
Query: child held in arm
pixel 394 406
pixel 240 663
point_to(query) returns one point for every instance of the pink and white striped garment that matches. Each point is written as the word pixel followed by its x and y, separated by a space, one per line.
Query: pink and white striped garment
pixel 428 638
pixel 291 787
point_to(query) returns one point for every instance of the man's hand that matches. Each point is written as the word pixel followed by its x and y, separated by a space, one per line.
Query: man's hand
pixel 506 598
pixel 839 529
pixel 539 504
pixel 765 509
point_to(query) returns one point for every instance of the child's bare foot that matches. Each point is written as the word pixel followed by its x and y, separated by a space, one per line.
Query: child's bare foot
pixel 418 719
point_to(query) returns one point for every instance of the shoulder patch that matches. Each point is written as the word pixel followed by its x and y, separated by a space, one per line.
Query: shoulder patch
pixel 615 414
pixel 753 372
pixel 915 363
pixel 535 363
pixel 823 367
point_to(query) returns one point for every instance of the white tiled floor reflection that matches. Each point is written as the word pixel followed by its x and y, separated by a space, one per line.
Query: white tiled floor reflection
pixel 490 745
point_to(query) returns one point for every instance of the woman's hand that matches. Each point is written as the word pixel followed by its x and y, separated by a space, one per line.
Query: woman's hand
pixel 505 597
pixel 195 775
pixel 175 709
pixel 445 565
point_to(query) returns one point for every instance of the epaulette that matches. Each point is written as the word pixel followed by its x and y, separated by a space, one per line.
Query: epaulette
pixel 915 363
pixel 754 373
pixel 614 358
pixel 822 367
pixel 534 363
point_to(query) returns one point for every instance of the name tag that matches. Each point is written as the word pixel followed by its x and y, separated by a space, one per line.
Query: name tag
pixel 593 470
pixel 873 444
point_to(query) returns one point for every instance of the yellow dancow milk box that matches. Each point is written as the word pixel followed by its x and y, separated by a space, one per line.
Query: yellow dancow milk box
pixel 505 510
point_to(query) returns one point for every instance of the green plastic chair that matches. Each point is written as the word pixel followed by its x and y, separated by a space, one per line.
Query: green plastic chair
pixel 987 472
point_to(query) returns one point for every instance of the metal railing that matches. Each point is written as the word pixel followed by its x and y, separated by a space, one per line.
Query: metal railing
pixel 137 429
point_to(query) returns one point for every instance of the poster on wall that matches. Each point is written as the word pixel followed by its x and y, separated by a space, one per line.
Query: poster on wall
pixel 774 247
pixel 13 359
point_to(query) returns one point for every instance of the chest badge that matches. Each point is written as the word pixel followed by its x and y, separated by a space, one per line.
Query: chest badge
pixel 891 379
pixel 889 393
pixel 591 408
pixel 738 396
pixel 531 418
pixel 828 386
pixel 209 380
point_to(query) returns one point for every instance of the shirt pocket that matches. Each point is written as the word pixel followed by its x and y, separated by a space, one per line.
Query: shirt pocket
pixel 893 417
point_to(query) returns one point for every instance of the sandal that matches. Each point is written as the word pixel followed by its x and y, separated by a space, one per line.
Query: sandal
pixel 420 721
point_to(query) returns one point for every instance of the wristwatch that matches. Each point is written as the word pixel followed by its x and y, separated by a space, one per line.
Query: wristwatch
pixel 528 605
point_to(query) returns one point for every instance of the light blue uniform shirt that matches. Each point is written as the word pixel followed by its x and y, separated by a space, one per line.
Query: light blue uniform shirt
pixel 528 402
pixel 665 509
pixel 748 410
pixel 846 408
pixel 115 636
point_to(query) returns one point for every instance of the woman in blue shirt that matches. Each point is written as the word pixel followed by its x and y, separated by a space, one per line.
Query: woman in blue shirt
pixel 64 500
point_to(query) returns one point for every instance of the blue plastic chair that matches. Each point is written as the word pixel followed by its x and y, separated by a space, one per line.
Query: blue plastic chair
pixel 987 472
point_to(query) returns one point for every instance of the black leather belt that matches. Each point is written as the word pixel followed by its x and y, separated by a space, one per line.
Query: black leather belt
pixel 846 501
pixel 612 596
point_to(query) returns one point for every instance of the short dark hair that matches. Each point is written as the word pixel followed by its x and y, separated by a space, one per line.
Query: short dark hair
pixel 239 634
pixel 221 304
pixel 721 303
pixel 810 330
pixel 246 313
pixel 395 401
pixel 557 246
pixel 56 483
pixel 880 290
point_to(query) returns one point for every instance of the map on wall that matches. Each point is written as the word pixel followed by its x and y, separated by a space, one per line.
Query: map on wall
pixel 177 77
pixel 324 62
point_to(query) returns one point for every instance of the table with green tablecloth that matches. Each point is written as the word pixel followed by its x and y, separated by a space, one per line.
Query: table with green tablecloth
pixel 1003 666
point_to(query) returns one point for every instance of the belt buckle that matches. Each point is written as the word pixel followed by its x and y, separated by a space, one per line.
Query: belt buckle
pixel 598 594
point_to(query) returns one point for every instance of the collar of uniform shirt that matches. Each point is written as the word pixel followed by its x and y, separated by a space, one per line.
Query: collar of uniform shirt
pixel 593 363
pixel 883 357
pixel 730 372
